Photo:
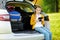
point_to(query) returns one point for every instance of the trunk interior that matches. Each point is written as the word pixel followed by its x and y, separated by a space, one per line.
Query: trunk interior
pixel 24 24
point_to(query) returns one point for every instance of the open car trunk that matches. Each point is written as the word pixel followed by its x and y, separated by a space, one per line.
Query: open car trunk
pixel 26 10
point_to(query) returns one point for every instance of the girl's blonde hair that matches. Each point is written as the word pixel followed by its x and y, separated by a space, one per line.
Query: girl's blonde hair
pixel 37 6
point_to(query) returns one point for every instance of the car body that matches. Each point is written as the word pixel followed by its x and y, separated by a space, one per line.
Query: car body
pixel 9 30
pixel 7 34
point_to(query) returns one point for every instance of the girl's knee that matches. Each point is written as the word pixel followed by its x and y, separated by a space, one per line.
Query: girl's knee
pixel 50 33
pixel 46 33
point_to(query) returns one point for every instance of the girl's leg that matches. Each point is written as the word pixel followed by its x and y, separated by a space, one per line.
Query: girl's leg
pixel 48 32
pixel 41 30
pixel 46 29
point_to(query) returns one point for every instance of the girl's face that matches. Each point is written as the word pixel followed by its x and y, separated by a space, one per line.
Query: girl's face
pixel 38 10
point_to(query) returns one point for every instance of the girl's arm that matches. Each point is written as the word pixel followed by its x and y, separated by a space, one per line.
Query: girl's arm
pixel 32 20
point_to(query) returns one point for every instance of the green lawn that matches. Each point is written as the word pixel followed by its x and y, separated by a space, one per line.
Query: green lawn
pixel 55 25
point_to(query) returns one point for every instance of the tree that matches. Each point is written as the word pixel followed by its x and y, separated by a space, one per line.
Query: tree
pixel 49 5
pixel 57 8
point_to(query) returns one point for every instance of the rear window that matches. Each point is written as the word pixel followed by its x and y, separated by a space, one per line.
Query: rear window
pixel 24 6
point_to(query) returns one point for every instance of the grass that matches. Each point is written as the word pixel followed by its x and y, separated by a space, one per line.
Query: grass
pixel 55 25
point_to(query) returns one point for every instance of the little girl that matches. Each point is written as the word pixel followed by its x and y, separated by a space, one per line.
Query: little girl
pixel 37 22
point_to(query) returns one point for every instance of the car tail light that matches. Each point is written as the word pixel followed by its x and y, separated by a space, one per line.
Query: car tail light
pixel 4 17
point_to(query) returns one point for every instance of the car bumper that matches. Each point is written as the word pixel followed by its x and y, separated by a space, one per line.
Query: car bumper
pixel 21 36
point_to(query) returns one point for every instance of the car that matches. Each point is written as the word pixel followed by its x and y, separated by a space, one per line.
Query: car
pixel 18 30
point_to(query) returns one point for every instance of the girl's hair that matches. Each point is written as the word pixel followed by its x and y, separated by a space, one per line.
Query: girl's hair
pixel 37 6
